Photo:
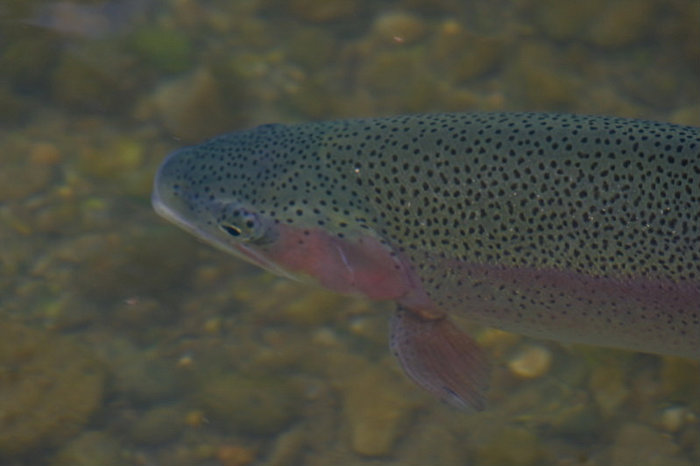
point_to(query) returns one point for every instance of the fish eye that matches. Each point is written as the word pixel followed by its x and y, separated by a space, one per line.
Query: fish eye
pixel 231 230
pixel 244 225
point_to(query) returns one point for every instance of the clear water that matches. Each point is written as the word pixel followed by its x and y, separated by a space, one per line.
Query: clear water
pixel 125 342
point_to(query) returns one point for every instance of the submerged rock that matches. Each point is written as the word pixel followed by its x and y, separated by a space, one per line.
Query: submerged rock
pixel 322 11
pixel 250 405
pixel 399 27
pixel 377 410
pixel 531 362
pixel 514 446
pixel 193 107
pixel 49 387
pixel 158 425
pixel 640 445
pixel 609 388
pixel 89 449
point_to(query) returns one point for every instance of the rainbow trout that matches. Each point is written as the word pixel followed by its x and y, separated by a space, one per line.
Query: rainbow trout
pixel 573 228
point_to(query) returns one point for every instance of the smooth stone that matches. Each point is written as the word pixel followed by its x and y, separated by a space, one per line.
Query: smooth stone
pixel 540 80
pixel 689 115
pixel 288 448
pixel 322 11
pixel 13 108
pixel 513 446
pixel 249 404
pixel 680 380
pixel 399 27
pixel 50 388
pixel 531 362
pixel 622 22
pixel 235 455
pixel 22 176
pixel 639 445
pixel 566 20
pixel 139 375
pixel 26 59
pixel 437 441
pixel 674 418
pixel 398 78
pixel 377 409
pixel 609 390
pixel 90 81
pixel 192 107
pixel 311 47
pixel 91 449
pixel 158 425
pixel 465 55
pixel 166 49
pixel 117 267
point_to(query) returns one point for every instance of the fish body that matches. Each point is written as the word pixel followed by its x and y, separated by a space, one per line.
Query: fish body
pixel 574 228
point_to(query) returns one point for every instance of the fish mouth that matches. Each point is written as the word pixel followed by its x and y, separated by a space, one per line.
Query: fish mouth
pixel 165 205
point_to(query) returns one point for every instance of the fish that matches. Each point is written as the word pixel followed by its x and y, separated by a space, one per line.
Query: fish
pixel 573 228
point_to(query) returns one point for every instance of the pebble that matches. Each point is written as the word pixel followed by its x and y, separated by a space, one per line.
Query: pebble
pixel 138 375
pixel 689 115
pixel 249 404
pixel 90 82
pixel 45 154
pixel 622 22
pixel 541 80
pixel 680 379
pixel 565 20
pixel 312 47
pixel 377 409
pixel 192 107
pixel 438 440
pixel 287 448
pixel 158 425
pixel 465 55
pixel 90 449
pixel 674 418
pixel 609 389
pixel 235 455
pixel 49 389
pixel 322 11
pixel 531 362
pixel 399 27
pixel 639 445
pixel 512 446
pixel 23 176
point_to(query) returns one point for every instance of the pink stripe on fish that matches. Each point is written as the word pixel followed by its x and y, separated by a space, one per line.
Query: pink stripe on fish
pixel 654 315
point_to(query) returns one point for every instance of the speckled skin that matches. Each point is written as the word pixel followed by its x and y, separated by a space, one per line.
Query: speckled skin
pixel 574 228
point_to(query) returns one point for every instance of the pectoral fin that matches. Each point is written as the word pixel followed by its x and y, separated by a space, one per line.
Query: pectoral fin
pixel 441 358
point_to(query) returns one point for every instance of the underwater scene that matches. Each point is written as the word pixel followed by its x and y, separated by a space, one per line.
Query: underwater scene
pixel 127 341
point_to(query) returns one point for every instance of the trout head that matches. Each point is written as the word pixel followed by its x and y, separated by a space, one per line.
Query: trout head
pixel 263 195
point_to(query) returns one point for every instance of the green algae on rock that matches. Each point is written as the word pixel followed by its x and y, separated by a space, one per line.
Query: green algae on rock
pixel 49 387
